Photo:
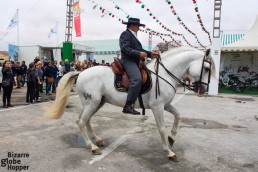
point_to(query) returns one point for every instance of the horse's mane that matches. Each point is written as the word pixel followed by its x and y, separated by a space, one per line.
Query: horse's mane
pixel 177 50
pixel 174 51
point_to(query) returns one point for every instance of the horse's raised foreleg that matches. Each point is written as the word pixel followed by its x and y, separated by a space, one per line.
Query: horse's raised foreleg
pixel 158 114
pixel 176 114
pixel 84 118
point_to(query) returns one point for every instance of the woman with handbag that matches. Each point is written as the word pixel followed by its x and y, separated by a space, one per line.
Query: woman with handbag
pixel 38 83
pixel 7 84
pixel 1 76
pixel 49 77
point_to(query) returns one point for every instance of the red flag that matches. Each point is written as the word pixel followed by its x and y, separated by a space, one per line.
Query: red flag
pixel 77 19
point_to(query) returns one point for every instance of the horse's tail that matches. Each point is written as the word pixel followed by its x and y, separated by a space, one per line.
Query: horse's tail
pixel 63 92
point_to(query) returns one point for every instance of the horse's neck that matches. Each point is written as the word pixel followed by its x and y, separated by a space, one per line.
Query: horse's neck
pixel 178 64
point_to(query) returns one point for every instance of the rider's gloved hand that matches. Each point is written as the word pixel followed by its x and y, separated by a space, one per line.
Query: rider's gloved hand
pixel 143 55
pixel 154 53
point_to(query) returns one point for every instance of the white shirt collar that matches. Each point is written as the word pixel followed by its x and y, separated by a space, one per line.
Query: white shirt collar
pixel 134 33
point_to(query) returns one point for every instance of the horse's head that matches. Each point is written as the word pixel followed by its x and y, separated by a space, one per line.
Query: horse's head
pixel 199 73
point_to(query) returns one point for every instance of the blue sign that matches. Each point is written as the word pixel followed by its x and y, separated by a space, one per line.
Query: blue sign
pixel 13 52
pixel 89 56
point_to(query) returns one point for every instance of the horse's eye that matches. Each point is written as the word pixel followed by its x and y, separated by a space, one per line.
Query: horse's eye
pixel 207 69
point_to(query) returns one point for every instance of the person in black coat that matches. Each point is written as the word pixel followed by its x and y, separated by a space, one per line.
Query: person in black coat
pixel 24 72
pixel 7 83
pixel 132 52
pixel 31 82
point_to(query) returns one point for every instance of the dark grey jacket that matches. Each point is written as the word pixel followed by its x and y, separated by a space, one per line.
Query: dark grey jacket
pixel 130 47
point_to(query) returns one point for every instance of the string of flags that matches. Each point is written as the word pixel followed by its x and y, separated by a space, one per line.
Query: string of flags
pixel 165 27
pixel 156 19
pixel 161 36
pixel 147 30
pixel 196 9
pixel 200 20
pixel 105 11
pixel 155 33
pixel 183 24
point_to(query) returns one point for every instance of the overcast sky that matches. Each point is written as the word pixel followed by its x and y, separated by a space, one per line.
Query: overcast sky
pixel 37 17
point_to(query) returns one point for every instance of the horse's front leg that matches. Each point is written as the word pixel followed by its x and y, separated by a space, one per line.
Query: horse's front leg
pixel 158 114
pixel 176 114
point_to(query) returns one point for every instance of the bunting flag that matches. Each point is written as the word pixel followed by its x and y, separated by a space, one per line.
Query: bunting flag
pixel 107 12
pixel 155 18
pixel 53 31
pixel 77 19
pixel 14 21
pixel 151 14
pixel 200 20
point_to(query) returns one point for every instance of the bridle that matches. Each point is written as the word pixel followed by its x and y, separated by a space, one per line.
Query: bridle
pixel 200 82
pixel 193 87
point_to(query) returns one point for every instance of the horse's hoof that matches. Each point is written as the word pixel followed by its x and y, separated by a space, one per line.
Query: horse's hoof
pixel 96 151
pixel 100 143
pixel 171 141
pixel 88 146
pixel 173 158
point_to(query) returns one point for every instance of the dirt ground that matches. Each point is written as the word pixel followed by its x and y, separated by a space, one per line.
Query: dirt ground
pixel 217 133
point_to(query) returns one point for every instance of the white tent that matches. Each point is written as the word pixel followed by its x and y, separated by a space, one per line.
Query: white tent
pixel 248 43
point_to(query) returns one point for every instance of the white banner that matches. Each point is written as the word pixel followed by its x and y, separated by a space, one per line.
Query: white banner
pixel 53 31
pixel 14 21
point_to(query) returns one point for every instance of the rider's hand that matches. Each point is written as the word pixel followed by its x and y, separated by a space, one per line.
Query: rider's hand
pixel 143 55
pixel 155 53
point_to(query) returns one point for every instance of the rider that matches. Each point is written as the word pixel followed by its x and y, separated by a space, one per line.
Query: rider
pixel 132 52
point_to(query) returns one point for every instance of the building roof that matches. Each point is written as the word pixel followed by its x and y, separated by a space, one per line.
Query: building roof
pixel 227 39
pixel 4 55
pixel 107 46
pixel 101 45
pixel 247 43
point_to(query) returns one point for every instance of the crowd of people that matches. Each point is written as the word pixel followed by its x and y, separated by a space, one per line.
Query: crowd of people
pixel 34 76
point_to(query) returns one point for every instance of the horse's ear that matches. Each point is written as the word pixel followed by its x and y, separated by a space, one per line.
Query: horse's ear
pixel 207 52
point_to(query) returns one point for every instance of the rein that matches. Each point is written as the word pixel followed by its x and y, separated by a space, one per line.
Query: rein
pixel 159 63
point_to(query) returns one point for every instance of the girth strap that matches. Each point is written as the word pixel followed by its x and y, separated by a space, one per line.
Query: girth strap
pixel 141 104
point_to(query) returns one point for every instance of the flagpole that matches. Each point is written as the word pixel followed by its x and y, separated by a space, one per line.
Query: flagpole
pixel 18 22
pixel 57 33
pixel 56 37
pixel 18 34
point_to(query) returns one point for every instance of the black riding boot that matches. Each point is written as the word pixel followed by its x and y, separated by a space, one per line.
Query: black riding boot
pixel 128 108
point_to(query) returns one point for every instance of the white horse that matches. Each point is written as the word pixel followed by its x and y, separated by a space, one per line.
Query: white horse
pixel 95 87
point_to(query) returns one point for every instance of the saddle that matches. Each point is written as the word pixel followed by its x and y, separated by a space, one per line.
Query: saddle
pixel 118 69
pixel 122 80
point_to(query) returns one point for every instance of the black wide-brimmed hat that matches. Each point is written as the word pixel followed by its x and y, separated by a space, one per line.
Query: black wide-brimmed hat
pixel 134 21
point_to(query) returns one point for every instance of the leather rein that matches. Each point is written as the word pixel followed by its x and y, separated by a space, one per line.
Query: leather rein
pixel 189 87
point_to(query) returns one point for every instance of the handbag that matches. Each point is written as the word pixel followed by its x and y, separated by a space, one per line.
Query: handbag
pixel 6 83
pixel 50 79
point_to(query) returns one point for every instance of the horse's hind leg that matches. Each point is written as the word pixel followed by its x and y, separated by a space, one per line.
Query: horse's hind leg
pixel 176 114
pixel 158 114
pixel 98 140
pixel 84 118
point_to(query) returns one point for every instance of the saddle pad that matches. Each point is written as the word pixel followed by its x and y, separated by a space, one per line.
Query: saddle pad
pixel 120 86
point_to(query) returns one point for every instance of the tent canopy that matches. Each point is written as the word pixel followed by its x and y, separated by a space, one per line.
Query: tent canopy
pixel 248 43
